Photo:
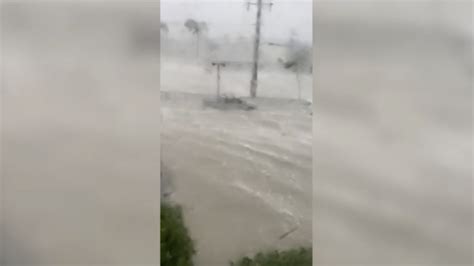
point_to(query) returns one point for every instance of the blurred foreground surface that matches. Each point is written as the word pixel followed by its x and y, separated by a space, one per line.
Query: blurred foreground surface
pixel 393 133
pixel 80 135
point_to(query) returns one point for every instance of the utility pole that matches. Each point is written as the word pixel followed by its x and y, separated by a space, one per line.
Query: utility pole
pixel 254 81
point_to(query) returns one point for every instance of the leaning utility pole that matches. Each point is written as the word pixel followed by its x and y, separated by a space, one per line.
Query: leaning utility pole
pixel 254 81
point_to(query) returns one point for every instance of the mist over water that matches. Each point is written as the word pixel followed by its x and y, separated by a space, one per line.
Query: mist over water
pixel 232 18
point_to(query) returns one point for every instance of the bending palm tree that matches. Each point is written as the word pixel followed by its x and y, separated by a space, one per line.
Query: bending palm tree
pixel 196 28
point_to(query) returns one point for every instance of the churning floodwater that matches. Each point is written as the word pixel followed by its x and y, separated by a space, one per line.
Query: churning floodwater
pixel 243 177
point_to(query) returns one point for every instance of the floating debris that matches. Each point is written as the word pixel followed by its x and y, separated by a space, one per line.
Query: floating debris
pixel 228 103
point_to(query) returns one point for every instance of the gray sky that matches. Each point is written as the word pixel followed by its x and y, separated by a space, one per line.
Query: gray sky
pixel 232 17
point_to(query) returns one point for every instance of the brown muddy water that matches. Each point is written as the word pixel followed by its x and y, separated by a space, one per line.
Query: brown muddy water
pixel 242 177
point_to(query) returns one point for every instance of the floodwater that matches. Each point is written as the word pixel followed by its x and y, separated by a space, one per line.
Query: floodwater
pixel 242 177
pixel 389 146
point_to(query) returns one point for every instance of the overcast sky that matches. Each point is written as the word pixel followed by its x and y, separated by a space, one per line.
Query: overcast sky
pixel 231 17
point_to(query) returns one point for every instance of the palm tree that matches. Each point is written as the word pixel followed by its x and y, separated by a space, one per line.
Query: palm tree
pixel 298 60
pixel 196 28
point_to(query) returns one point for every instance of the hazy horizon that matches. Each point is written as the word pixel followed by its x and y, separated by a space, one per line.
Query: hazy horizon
pixel 233 19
